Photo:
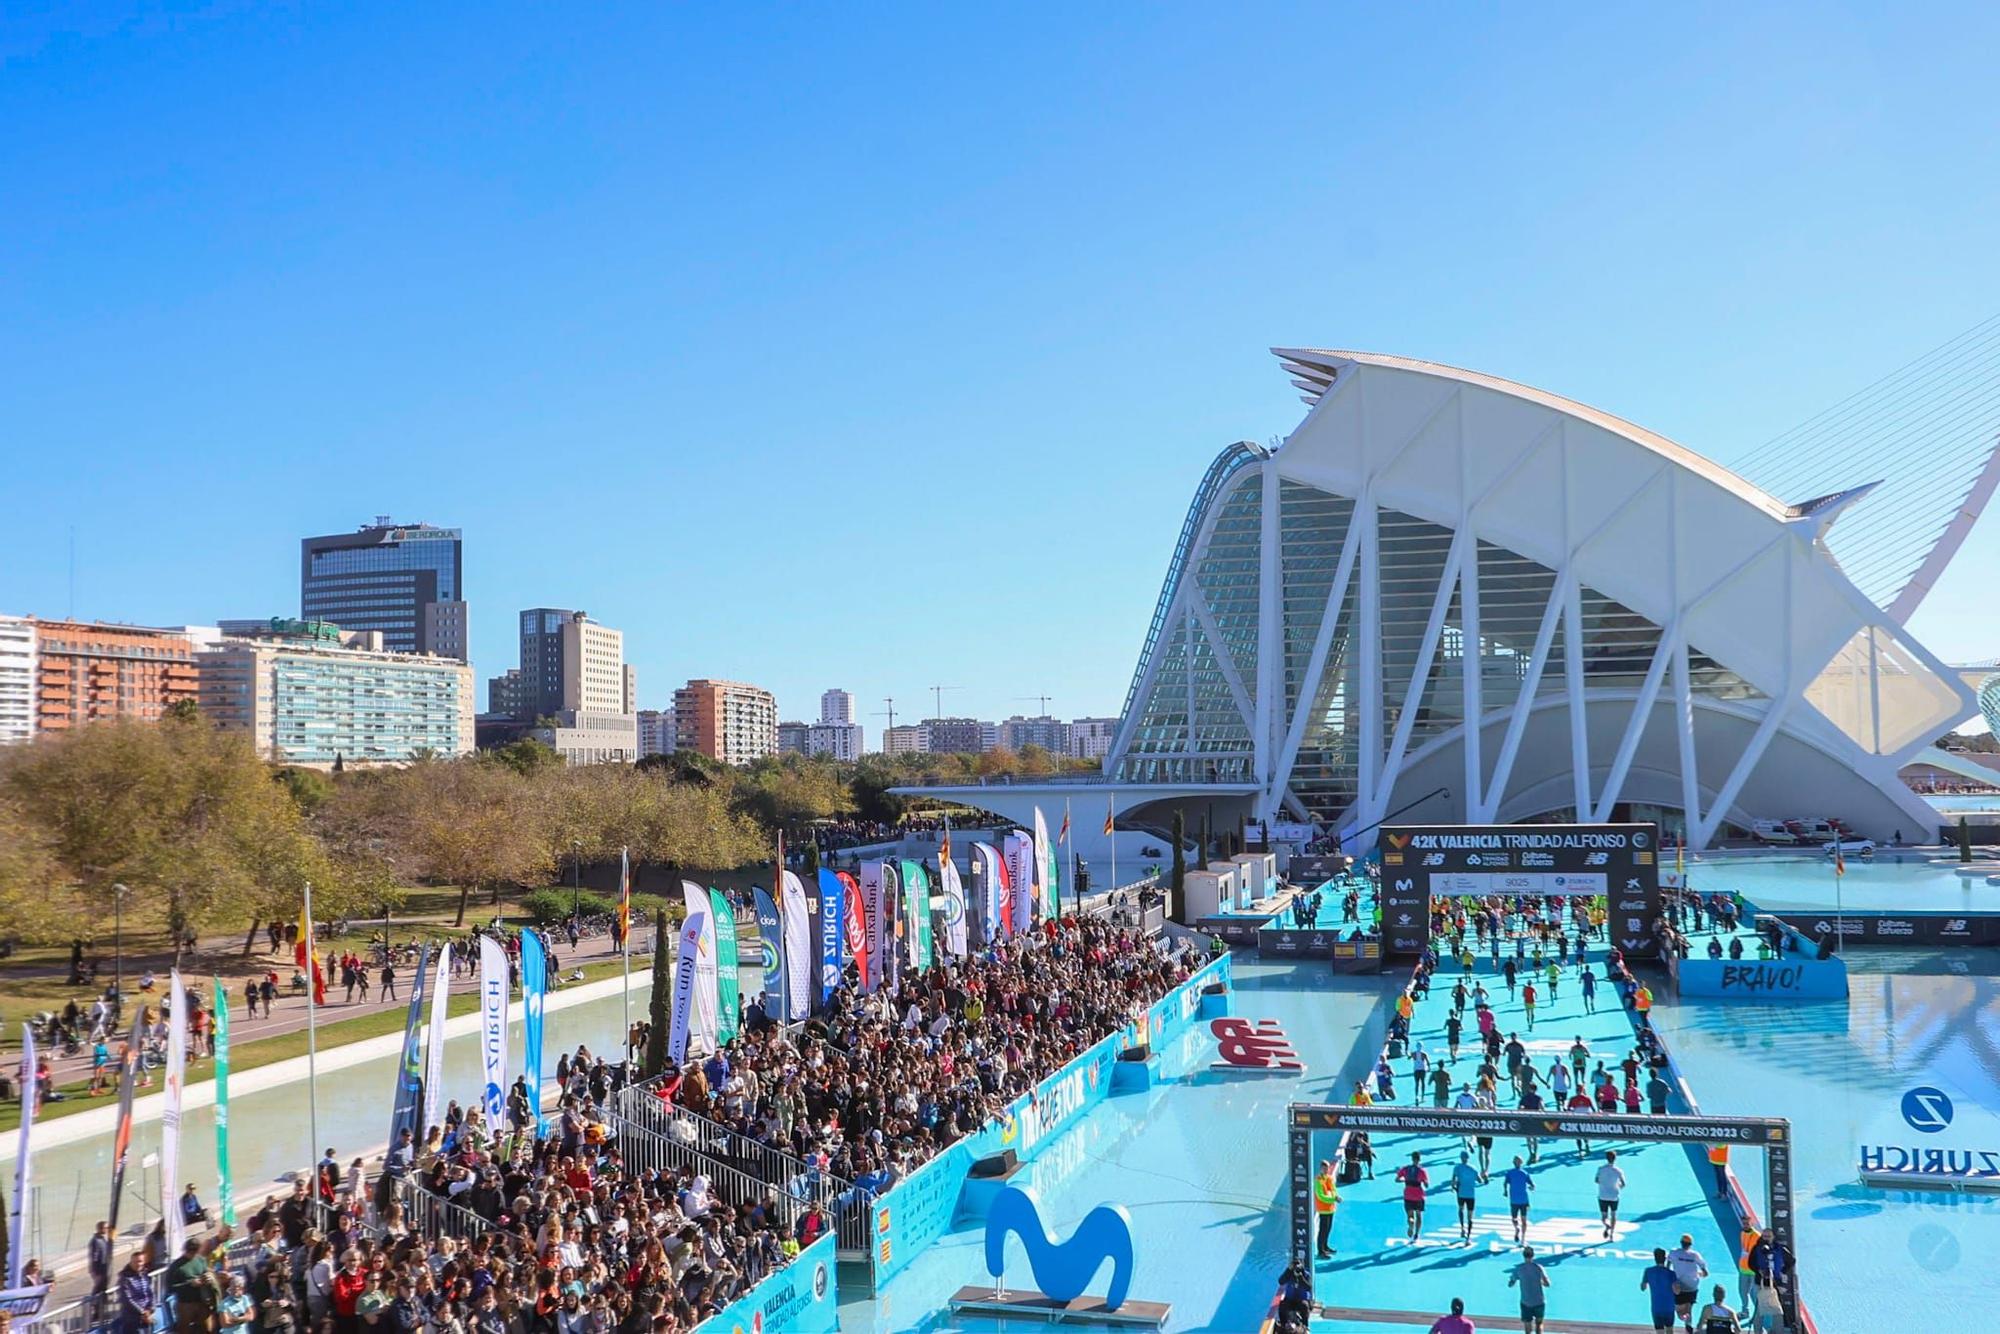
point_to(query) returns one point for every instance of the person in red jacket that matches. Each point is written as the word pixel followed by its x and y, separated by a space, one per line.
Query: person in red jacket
pixel 348 1285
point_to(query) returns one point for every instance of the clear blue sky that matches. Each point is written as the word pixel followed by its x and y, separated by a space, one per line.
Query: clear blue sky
pixel 882 347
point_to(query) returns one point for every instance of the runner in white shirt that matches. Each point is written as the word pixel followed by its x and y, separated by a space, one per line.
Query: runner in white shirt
pixel 1610 1182
pixel 1689 1270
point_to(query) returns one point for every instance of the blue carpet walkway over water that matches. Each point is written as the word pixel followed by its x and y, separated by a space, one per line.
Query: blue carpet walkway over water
pixel 1377 1269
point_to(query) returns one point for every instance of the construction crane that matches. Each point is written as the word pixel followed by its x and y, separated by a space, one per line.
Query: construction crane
pixel 1042 702
pixel 937 699
pixel 890 700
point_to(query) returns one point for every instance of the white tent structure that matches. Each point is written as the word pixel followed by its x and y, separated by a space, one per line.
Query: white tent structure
pixel 1452 590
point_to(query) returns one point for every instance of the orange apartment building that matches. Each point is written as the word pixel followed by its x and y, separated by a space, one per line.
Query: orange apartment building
pixel 726 720
pixel 88 672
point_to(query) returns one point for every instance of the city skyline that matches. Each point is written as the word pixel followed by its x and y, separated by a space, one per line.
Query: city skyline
pixel 216 308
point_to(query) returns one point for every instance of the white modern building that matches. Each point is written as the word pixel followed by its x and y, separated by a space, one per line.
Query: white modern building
pixel 1091 738
pixel 656 732
pixel 836 706
pixel 1449 597
pixel 17 679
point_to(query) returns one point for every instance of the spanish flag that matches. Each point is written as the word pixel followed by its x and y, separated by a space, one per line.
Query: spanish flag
pixel 1062 834
pixel 1839 859
pixel 1109 812
pixel 308 949
pixel 624 898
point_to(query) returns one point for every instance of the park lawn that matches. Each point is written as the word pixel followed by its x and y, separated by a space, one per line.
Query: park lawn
pixel 283 1046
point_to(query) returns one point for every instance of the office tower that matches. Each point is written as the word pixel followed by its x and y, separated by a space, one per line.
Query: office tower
pixel 309 693
pixel 406 580
pixel 656 732
pixel 836 706
pixel 726 720
pixel 17 678
pixel 1090 738
pixel 573 685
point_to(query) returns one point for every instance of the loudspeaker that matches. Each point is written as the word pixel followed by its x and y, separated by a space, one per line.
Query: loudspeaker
pixel 995 1165
pixel 1142 1052
pixel 1215 989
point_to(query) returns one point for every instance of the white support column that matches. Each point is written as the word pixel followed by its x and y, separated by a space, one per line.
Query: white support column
pixel 1225 661
pixel 1413 693
pixel 1635 726
pixel 1517 724
pixel 1566 579
pixel 1471 661
pixel 1329 623
pixel 1187 659
pixel 1371 654
pixel 1683 688
pixel 1269 692
pixel 1767 727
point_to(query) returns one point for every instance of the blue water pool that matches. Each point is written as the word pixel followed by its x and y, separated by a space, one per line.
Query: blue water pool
pixel 1890 882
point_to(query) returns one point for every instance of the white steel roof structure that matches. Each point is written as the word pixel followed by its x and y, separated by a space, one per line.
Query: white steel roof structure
pixel 1447 585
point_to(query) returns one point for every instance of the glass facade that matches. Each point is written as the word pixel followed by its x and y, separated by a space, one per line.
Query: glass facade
pixel 380 578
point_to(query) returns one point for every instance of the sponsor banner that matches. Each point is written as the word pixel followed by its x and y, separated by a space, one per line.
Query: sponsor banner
pixel 855 926
pixel 17 1234
pixel 702 1017
pixel 728 1003
pixel 832 932
pixel 170 1114
pixel 954 908
pixel 1234 931
pixel 1546 1125
pixel 493 1032
pixel 796 914
pixel 434 1037
pixel 121 1135
pixel 1931 1143
pixel 871 920
pixel 919 1209
pixel 801 1298
pixel 406 1097
pixel 534 999
pixel 1897 929
pixel 770 933
pixel 686 966
pixel 1796 977
pixel 225 1183
pixel 1017 913
pixel 21 1302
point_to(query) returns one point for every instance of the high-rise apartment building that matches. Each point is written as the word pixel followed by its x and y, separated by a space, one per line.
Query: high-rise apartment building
pixel 836 706
pixel 909 739
pixel 842 741
pixel 308 693
pixel 960 736
pixel 88 672
pixel 573 685
pixel 1051 734
pixel 793 738
pixel 1090 738
pixel 17 678
pixel 631 685
pixel 405 580
pixel 726 720
pixel 656 732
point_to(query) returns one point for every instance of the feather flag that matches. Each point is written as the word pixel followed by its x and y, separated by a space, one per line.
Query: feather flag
pixel 797 917
pixel 954 909
pixel 703 1019
pixel 624 899
pixel 1044 889
pixel 854 926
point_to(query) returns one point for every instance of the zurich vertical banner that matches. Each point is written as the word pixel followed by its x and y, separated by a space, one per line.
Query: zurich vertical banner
pixel 728 1005
pixel 407 1106
pixel 493 1032
pixel 225 1184
pixel 832 899
pixel 797 917
pixel 534 997
pixel 17 1245
pixel 434 1036
pixel 686 968
pixel 772 933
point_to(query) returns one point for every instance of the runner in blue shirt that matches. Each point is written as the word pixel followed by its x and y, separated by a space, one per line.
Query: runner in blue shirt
pixel 1465 1184
pixel 1519 1184
pixel 1658 1284
pixel 1589 990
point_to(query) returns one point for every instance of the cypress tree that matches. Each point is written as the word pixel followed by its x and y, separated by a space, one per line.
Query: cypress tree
pixel 1964 840
pixel 1177 909
pixel 659 1008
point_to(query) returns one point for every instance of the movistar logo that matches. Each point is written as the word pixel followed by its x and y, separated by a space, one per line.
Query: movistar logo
pixel 1061 1269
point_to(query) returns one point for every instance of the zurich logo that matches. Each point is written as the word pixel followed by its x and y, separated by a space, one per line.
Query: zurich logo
pixel 494 1096
pixel 1927 1109
pixel 829 975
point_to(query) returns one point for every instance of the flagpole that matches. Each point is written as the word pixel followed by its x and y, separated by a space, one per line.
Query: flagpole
pixel 625 944
pixel 1076 901
pixel 312 1039
pixel 1111 827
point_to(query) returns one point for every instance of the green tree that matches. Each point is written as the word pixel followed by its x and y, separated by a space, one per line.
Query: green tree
pixel 659 1006
pixel 527 757
pixel 1964 840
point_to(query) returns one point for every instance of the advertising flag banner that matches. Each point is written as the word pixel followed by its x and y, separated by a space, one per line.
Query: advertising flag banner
pixel 406 1107
pixel 891 922
pixel 534 1000
pixel 854 923
pixel 493 1033
pixel 434 1037
pixel 702 1016
pixel 916 912
pixel 121 1135
pixel 225 1183
pixel 1020 852
pixel 832 905
pixel 871 920
pixel 1044 895
pixel 17 1243
pixel 728 1000
pixel 624 900
pixel 954 909
pixel 771 932
pixel 686 968
pixel 170 1113
pixel 987 920
pixel 797 915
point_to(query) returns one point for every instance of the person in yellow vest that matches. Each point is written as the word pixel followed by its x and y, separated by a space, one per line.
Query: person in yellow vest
pixel 1405 1006
pixel 1746 1277
pixel 1644 1001
pixel 1326 1197
pixel 1361 1096
pixel 1718 1163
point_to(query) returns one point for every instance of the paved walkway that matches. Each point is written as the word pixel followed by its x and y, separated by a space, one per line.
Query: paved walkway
pixel 1377 1268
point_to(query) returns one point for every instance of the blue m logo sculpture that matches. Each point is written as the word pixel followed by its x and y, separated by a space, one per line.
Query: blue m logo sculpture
pixel 1061 1269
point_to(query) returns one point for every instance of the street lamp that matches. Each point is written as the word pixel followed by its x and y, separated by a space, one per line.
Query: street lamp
pixel 576 881
pixel 118 940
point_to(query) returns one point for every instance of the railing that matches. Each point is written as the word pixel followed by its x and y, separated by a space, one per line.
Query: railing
pixel 434 1215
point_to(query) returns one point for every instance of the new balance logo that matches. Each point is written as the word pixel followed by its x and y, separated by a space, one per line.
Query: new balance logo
pixel 1247 1044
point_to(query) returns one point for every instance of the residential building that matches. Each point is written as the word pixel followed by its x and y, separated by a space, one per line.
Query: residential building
pixel 836 706
pixel 909 739
pixel 89 672
pixel 583 737
pixel 1051 734
pixel 960 736
pixel 569 661
pixel 631 701
pixel 505 694
pixel 840 740
pixel 793 738
pixel 406 580
pixel 17 678
pixel 726 720
pixel 1090 738
pixel 656 732
pixel 311 694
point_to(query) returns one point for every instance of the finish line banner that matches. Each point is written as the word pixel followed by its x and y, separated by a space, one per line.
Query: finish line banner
pixel 1617 861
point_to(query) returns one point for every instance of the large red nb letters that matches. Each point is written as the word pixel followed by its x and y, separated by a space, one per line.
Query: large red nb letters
pixel 1254 1044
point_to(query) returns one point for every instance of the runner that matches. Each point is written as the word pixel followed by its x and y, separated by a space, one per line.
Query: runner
pixel 1454 1028
pixel 1610 1181
pixel 1455 1323
pixel 1326 1197
pixel 1414 1180
pixel 1519 1187
pixel 1717 1317
pixel 1440 1085
pixel 1465 1181
pixel 1531 1101
pixel 1689 1270
pixel 1535 1285
pixel 1589 980
pixel 1658 1285
pixel 1528 1004
pixel 1555 975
